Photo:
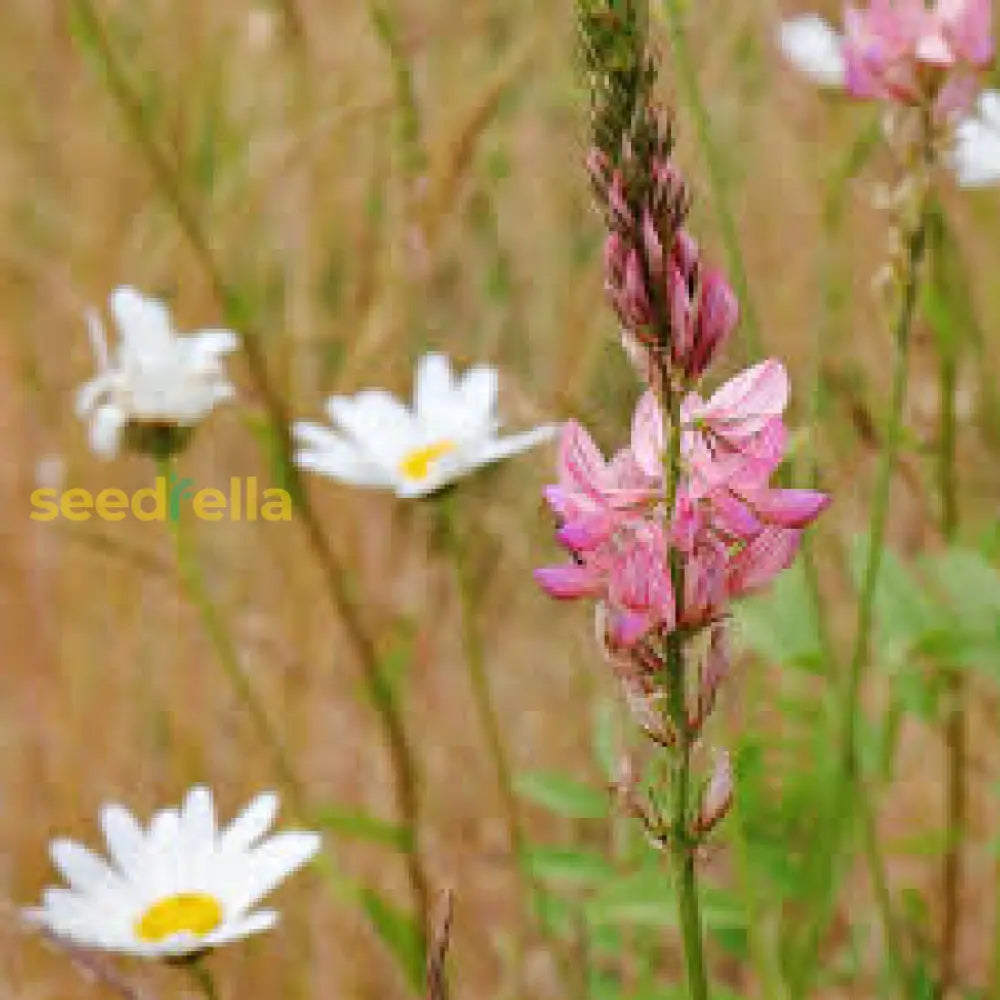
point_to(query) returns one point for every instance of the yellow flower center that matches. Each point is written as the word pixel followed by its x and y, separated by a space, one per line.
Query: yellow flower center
pixel 416 465
pixel 187 912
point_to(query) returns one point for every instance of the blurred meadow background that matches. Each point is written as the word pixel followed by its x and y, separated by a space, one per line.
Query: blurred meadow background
pixel 350 184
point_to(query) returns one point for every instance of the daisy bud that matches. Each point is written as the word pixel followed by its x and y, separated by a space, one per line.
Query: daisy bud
pixel 718 796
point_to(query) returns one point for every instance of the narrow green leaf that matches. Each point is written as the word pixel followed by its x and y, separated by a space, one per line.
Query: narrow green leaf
pixel 400 934
pixel 562 795
pixel 561 865
pixel 361 826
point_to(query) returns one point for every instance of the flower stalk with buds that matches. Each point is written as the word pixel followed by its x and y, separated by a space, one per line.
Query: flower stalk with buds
pixel 684 520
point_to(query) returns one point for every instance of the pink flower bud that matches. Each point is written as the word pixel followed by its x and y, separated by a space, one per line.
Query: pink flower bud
pixel 718 796
pixel 718 314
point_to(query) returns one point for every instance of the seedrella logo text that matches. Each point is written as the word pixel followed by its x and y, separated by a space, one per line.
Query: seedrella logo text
pixel 164 501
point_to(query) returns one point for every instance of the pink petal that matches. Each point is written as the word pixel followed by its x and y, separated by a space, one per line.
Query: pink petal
pixel 568 582
pixel 751 398
pixel 580 463
pixel 647 435
pixel 789 508
pixel 761 560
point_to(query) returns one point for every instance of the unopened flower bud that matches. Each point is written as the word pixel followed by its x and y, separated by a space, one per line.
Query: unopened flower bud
pixel 718 796
pixel 718 314
pixel 714 670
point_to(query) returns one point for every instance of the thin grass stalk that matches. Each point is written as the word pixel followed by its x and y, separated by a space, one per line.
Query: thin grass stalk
pixel 682 848
pixel 193 583
pixel 717 177
pixel 479 683
pixel 401 754
pixel 956 720
pixel 848 779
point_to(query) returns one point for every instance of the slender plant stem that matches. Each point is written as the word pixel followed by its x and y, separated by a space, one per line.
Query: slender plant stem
pixel 955 727
pixel 479 682
pixel 681 845
pixel 193 582
pixel 717 176
pixel 848 778
pixel 401 754
pixel 204 979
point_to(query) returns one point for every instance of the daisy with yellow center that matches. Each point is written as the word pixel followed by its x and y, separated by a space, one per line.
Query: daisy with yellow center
pixel 178 888
pixel 377 441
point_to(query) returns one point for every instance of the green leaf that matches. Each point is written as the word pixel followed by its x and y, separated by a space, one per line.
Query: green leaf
pixel 562 796
pixel 970 585
pixel 362 826
pixel 643 899
pixel 400 934
pixel 560 865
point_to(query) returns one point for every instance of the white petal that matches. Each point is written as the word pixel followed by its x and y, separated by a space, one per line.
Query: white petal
pixel 105 430
pixel 83 870
pixel 197 821
pixel 477 394
pixel 144 325
pixel 251 824
pixel 433 394
pixel 125 839
pixel 975 156
pixel 812 46
pixel 270 863
pixel 98 339
pixel 500 448
pixel 90 392
pixel 234 930
pixel 211 344
pixel 377 423
pixel 325 452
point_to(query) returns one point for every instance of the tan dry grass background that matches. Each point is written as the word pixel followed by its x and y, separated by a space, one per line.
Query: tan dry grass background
pixel 356 257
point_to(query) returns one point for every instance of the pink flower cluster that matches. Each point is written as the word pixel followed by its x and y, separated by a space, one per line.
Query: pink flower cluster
pixel 734 530
pixel 907 51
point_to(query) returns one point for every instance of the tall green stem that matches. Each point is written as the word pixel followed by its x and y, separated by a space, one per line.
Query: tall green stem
pixel 847 781
pixel 402 756
pixel 682 847
pixel 955 727
pixel 482 695
pixel 226 652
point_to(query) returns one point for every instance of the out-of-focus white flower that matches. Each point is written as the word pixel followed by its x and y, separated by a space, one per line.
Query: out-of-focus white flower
pixel 380 442
pixel 815 48
pixel 155 377
pixel 178 888
pixel 975 156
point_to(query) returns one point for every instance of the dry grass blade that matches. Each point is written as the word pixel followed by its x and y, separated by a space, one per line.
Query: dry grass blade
pixel 437 954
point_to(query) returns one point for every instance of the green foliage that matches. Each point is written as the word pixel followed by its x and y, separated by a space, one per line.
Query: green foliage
pixel 563 796
pixel 400 934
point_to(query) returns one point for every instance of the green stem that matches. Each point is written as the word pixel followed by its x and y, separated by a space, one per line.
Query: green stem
pixel 278 446
pixel 717 177
pixel 479 683
pixel 203 978
pixel 955 727
pixel 847 781
pixel 682 846
pixel 193 582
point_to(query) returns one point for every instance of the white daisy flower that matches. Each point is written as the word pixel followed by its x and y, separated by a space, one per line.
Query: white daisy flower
pixel 378 441
pixel 178 888
pixel 815 48
pixel 975 156
pixel 155 377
